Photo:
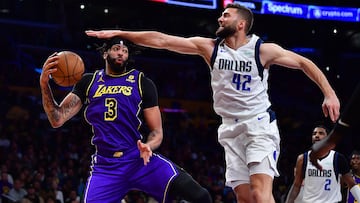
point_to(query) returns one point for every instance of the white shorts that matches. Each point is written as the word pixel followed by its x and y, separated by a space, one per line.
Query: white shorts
pixel 255 141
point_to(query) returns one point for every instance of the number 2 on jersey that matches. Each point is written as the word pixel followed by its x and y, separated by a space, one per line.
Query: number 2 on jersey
pixel 327 184
pixel 241 81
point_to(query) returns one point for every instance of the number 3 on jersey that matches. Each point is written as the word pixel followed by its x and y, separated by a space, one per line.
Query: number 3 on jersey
pixel 241 82
pixel 111 113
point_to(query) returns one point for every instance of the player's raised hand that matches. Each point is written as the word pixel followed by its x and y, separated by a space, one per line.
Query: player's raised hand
pixel 331 107
pixel 48 68
pixel 102 33
pixel 145 151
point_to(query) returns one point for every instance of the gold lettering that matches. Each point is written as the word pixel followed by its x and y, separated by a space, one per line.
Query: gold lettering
pixel 126 90
pixel 101 90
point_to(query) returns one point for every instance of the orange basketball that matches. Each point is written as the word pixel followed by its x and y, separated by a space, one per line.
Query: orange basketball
pixel 69 69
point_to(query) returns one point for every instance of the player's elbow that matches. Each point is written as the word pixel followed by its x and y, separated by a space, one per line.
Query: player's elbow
pixel 157 138
pixel 56 123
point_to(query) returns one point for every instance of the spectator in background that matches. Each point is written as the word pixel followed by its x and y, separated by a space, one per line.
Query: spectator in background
pixel 32 196
pixel 17 193
pixel 73 197
pixel 5 185
pixel 4 168
pixel 55 191
pixel 51 199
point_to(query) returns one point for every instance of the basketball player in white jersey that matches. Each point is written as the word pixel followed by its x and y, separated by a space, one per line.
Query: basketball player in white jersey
pixel 239 64
pixel 324 185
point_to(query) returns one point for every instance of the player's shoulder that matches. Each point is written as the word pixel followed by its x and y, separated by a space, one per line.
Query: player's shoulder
pixel 300 157
pixel 87 76
pixel 270 46
pixel 340 155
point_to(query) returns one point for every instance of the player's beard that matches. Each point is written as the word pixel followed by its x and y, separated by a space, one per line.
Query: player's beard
pixel 116 67
pixel 226 31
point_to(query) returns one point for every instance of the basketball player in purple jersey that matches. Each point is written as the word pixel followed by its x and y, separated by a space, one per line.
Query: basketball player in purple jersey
pixel 117 100
pixel 355 171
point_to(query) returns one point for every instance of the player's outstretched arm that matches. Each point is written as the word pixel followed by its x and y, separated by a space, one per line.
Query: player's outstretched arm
pixel 271 53
pixel 71 104
pixel 192 45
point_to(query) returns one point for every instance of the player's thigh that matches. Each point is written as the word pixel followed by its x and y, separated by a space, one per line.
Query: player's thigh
pixel 155 177
pixel 261 178
pixel 105 188
pixel 262 182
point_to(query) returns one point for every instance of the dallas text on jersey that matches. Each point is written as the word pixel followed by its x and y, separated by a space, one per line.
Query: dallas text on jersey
pixel 319 173
pixel 241 66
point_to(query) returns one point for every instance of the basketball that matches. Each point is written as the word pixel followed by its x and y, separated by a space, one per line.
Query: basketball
pixel 70 69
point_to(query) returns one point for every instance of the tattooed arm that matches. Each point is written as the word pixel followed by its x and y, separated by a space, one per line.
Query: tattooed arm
pixel 69 107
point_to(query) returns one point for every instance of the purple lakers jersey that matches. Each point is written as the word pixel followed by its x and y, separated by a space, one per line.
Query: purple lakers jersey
pixel 350 197
pixel 115 100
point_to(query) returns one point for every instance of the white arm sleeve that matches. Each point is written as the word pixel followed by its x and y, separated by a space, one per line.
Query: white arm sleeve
pixel 355 191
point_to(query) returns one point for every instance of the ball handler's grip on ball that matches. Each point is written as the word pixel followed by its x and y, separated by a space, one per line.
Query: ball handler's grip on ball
pixel 48 68
pixel 69 68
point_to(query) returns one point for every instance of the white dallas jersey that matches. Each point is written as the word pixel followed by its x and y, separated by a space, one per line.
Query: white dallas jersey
pixel 239 81
pixel 321 186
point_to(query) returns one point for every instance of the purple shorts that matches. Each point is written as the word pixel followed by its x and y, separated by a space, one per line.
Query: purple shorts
pixel 112 178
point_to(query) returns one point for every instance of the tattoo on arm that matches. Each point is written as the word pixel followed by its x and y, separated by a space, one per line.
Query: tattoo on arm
pixel 49 104
pixel 56 112
pixel 68 107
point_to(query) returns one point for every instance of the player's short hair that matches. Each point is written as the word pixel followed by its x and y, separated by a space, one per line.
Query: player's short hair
pixel 133 48
pixel 355 152
pixel 112 41
pixel 244 12
pixel 322 126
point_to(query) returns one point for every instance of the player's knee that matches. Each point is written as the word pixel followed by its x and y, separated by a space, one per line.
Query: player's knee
pixel 255 194
pixel 185 187
pixel 260 196
pixel 243 198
